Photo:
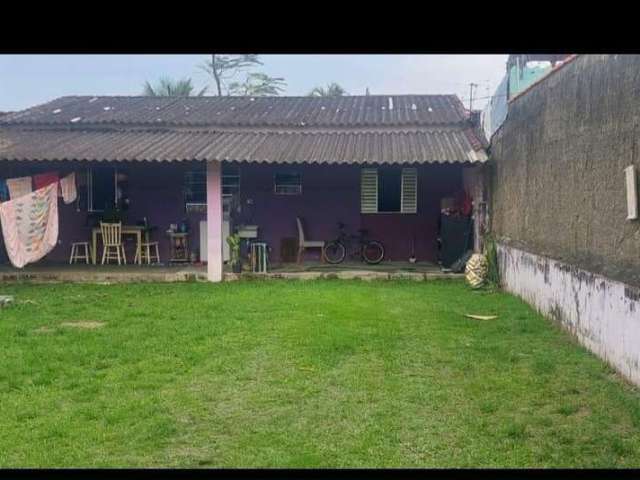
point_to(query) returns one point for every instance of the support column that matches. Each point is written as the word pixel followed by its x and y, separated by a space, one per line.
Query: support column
pixel 214 221
pixel 474 183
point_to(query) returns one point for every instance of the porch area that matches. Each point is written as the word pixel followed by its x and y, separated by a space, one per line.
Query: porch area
pixel 170 194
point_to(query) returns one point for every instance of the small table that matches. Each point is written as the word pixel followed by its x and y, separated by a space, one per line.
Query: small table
pixel 179 246
pixel 247 233
pixel 136 230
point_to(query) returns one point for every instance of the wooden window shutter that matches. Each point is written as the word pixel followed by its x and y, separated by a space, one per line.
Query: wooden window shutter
pixel 369 190
pixel 409 198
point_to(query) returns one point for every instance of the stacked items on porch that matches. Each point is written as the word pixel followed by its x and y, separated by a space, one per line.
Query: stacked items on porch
pixel 29 214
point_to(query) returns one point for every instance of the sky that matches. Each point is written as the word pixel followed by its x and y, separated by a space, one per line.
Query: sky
pixel 28 80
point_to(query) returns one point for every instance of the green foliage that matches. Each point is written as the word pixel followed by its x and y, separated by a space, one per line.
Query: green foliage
pixel 301 374
pixel 332 90
pixel 491 253
pixel 224 68
pixel 258 84
pixel 112 215
pixel 167 87
pixel 234 248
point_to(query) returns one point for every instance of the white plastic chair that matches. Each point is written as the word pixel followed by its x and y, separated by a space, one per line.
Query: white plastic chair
pixel 304 244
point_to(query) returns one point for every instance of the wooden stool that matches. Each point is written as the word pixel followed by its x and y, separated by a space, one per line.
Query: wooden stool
pixel 259 255
pixel 146 253
pixel 75 252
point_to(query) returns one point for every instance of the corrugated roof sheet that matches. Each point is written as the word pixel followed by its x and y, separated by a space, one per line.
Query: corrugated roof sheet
pixel 353 111
pixel 353 129
pixel 435 145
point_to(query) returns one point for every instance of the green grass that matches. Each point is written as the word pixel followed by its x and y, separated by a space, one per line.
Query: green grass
pixel 301 374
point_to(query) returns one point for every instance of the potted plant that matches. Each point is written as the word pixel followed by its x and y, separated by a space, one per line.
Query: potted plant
pixel 111 215
pixel 234 252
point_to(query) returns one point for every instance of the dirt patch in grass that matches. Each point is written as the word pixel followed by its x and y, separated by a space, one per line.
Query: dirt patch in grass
pixel 44 330
pixel 84 325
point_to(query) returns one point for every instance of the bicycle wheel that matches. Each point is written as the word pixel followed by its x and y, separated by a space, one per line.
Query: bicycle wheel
pixel 334 252
pixel 372 252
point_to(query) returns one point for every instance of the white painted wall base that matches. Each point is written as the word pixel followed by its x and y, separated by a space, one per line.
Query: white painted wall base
pixel 603 314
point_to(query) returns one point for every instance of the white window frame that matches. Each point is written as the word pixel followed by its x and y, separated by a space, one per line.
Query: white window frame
pixel 295 190
pixel 369 192
pixel 238 176
pixel 201 206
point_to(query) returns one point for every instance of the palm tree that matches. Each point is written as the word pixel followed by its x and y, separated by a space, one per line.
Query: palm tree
pixel 332 90
pixel 172 88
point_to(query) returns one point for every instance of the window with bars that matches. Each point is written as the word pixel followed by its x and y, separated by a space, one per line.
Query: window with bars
pixel 389 190
pixel 287 183
pixel 230 181
pixel 195 184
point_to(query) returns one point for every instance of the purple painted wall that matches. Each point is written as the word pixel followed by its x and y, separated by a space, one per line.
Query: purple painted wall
pixel 155 191
pixel 330 194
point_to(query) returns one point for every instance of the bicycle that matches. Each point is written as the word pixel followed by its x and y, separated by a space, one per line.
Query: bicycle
pixel 358 246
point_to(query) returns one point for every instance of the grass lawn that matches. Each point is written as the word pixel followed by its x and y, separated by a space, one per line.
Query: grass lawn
pixel 301 374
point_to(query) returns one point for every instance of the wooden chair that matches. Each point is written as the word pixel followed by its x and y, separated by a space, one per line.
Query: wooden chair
pixel 75 252
pixel 112 242
pixel 147 254
pixel 304 244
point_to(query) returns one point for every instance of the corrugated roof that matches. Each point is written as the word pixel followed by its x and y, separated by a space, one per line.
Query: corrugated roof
pixel 348 111
pixel 353 129
pixel 434 145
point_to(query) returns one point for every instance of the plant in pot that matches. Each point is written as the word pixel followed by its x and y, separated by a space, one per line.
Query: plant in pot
pixel 111 215
pixel 234 252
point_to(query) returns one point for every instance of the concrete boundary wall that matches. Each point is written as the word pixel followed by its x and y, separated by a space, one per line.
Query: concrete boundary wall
pixel 558 186
pixel 603 314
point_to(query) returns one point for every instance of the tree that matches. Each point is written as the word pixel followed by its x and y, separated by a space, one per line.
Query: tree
pixel 258 84
pixel 224 68
pixel 167 87
pixel 332 90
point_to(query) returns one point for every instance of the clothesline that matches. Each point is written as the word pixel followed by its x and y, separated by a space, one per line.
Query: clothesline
pixel 12 188
pixel 29 219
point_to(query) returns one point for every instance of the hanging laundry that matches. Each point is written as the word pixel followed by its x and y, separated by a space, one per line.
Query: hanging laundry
pixel 19 186
pixel 44 179
pixel 68 188
pixel 4 191
pixel 30 225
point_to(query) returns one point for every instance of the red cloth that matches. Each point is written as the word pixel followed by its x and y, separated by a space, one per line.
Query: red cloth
pixel 44 179
pixel 467 204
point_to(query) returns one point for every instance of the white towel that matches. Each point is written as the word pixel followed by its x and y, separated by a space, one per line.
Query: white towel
pixel 18 186
pixel 68 188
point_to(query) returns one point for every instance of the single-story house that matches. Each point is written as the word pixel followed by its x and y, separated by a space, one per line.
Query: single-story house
pixel 379 162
